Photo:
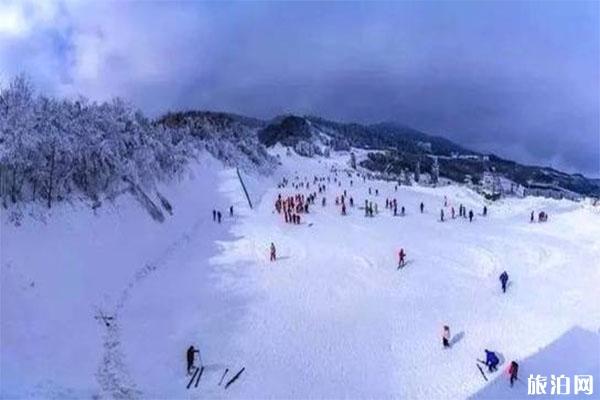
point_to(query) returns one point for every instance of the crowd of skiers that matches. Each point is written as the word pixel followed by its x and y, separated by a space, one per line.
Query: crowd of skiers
pixel 293 205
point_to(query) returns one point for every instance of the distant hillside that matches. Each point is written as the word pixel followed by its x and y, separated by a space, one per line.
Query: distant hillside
pixel 405 147
pixel 55 150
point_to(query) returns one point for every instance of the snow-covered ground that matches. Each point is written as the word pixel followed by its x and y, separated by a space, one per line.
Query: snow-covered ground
pixel 332 318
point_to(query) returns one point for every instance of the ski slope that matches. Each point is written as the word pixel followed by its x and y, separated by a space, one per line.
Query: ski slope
pixel 332 318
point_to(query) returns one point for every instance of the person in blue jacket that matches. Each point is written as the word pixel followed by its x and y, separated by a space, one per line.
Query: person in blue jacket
pixel 491 360
pixel 503 280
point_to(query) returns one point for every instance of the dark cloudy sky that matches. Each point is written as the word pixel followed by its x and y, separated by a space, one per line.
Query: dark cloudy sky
pixel 515 78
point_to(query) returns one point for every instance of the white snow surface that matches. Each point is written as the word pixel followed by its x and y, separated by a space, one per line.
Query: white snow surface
pixel 332 318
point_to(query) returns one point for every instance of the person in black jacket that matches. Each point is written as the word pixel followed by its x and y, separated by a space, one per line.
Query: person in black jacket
pixel 503 280
pixel 190 358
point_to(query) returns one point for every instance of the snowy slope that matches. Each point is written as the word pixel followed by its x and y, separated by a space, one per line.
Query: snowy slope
pixel 343 322
pixel 58 276
pixel 332 318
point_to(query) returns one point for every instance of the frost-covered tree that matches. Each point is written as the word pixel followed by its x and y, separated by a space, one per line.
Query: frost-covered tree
pixel 52 150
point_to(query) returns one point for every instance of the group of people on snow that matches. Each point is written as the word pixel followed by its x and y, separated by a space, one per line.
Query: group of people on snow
pixel 293 206
pixel 392 204
pixel 542 216
pixel 491 358
pixel 217 216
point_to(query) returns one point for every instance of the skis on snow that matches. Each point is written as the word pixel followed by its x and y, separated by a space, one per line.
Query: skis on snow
pixel 223 377
pixel 481 370
pixel 193 377
pixel 234 377
pixel 199 376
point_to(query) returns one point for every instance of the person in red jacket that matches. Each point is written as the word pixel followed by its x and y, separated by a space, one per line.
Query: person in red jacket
pixel 401 258
pixel 513 371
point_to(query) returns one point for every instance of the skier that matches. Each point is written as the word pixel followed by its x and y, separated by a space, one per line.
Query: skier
pixel 422 207
pixel 219 216
pixel 503 280
pixel 343 209
pixel 513 370
pixel 491 360
pixel 401 258
pixel 273 252
pixel 231 211
pixel 190 358
pixel 442 215
pixel 470 215
pixel 402 210
pixel 215 215
pixel 484 211
pixel 532 217
pixel 323 202
pixel 446 336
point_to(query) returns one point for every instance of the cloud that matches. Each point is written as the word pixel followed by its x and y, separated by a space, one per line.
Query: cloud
pixel 518 79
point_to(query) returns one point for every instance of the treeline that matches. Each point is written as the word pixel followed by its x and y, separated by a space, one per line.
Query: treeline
pixel 52 150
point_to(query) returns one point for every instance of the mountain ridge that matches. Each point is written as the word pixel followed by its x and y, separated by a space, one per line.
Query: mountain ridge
pixel 404 147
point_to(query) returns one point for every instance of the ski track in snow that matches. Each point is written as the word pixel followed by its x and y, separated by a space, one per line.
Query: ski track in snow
pixel 113 375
